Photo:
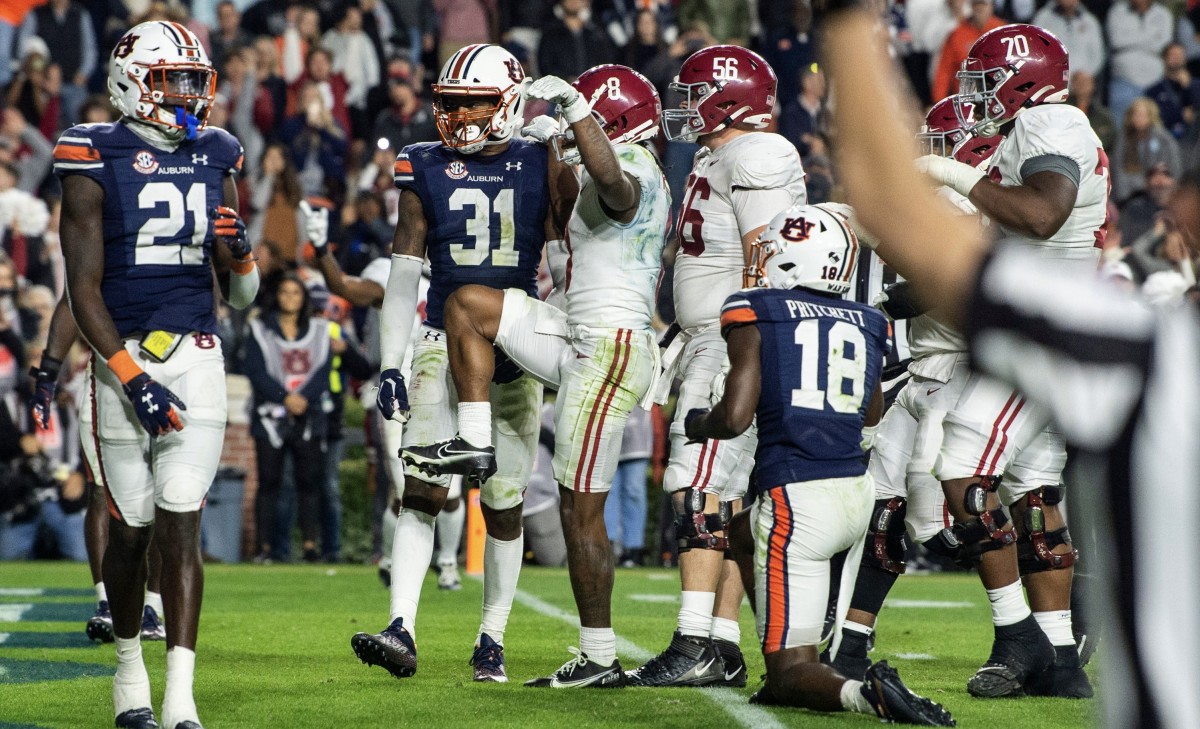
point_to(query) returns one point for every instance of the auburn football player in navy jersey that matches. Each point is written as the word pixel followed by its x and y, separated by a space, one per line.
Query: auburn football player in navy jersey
pixel 807 364
pixel 480 205
pixel 144 199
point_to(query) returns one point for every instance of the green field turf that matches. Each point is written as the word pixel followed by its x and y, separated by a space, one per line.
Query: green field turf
pixel 274 652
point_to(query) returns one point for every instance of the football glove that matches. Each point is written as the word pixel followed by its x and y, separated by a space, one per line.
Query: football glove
pixel 154 404
pixel 541 129
pixel 392 397
pixel 556 91
pixel 231 230
pixel 689 425
pixel 45 384
pixel 951 173
pixel 316 226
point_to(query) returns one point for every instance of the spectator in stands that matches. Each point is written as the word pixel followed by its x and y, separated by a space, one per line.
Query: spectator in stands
pixel 269 107
pixel 67 28
pixel 980 19
pixel 1138 31
pixel 1177 94
pixel 1142 142
pixel 332 85
pixel 239 88
pixel 417 22
pixel 620 19
pixel 23 222
pixel 930 22
pixel 266 17
pixel 571 43
pixel 36 91
pixel 12 15
pixel 625 509
pixel 1080 32
pixel 805 116
pixel 355 60
pixel 1083 96
pixel 288 359
pixel 297 41
pixel 229 36
pixel 789 47
pixel 728 22
pixel 646 42
pixel 366 234
pixel 317 144
pixel 275 195
pixel 407 119
pixel 1144 207
pixel 26 149
pixel 97 110
pixel 462 22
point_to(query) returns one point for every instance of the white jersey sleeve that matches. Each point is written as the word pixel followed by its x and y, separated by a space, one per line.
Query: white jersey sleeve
pixel 766 178
pixel 1060 131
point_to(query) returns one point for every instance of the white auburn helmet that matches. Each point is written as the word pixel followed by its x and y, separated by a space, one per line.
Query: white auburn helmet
pixel 159 74
pixel 805 246
pixel 479 71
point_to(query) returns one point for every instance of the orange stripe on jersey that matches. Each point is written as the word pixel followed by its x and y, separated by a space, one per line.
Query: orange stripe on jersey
pixel 75 153
pixel 741 315
pixel 402 167
pixel 237 166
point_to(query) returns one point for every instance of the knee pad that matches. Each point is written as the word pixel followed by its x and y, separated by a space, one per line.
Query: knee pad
pixel 694 529
pixel 1035 546
pixel 972 538
pixel 887 539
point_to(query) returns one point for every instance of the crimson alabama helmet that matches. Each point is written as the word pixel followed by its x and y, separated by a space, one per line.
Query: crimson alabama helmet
pixel 474 72
pixel 624 103
pixel 805 246
pixel 159 74
pixel 721 86
pixel 943 134
pixel 1008 70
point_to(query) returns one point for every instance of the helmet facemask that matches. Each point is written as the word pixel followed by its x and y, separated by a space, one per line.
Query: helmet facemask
pixel 176 97
pixel 686 123
pixel 754 275
pixel 471 118
pixel 979 111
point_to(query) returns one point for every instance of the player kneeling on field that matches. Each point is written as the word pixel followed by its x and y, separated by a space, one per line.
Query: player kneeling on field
pixel 807 364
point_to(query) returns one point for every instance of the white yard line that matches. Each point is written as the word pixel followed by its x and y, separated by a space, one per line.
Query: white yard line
pixel 927 604
pixel 653 597
pixel 731 702
pixel 14 612
pixel 21 592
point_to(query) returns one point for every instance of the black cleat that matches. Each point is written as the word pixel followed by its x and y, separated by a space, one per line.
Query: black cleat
pixel 1064 678
pixel 764 697
pixel 852 661
pixel 1086 645
pixel 1019 651
pixel 137 719
pixel 393 649
pixel 454 456
pixel 688 661
pixel 188 725
pixel 152 627
pixel 582 672
pixel 99 627
pixel 895 702
pixel 734 672
pixel 488 661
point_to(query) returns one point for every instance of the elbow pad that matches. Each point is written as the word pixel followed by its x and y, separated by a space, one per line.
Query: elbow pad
pixel 243 288
pixel 399 309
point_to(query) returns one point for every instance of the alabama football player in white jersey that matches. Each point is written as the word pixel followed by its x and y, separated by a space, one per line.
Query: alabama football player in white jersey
pixel 1047 187
pixel 742 177
pixel 598 351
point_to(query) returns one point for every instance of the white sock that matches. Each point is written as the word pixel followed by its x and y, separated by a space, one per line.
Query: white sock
pixel 101 593
pixel 598 644
pixel 475 423
pixel 131 684
pixel 449 533
pixel 696 612
pixel 388 534
pixel 1008 604
pixel 1056 624
pixel 501 568
pixel 154 600
pixel 857 627
pixel 853 700
pixel 412 548
pixel 178 704
pixel 726 629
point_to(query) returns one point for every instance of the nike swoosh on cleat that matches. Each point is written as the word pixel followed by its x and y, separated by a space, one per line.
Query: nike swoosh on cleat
pixel 702 671
pixel 556 683
pixel 730 676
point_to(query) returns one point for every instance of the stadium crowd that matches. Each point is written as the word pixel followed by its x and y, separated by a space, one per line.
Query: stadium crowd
pixel 323 94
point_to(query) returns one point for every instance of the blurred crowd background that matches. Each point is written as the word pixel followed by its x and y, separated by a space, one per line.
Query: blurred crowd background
pixel 322 95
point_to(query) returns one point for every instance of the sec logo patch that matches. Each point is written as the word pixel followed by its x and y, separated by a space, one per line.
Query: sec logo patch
pixel 145 162
pixel 456 170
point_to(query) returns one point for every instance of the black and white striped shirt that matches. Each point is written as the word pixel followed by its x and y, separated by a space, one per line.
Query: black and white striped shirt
pixel 1122 381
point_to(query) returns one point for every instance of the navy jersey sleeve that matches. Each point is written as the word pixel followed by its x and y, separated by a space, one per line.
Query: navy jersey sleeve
pixel 737 311
pixel 226 149
pixel 77 153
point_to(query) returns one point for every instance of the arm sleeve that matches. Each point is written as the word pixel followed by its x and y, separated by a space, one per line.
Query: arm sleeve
pixel 1064 166
pixel 399 310
pixel 35 167
pixel 1076 347
pixel 254 367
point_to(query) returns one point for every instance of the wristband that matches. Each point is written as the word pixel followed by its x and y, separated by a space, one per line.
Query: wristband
pixel 123 366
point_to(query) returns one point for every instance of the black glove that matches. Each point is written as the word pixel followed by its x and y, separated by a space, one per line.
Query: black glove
pixel 155 405
pixel 45 384
pixel 231 230
pixel 689 425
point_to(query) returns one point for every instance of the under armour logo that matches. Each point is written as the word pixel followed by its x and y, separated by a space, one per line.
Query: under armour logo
pixel 512 166
pixel 432 336
pixel 199 159
pixel 151 406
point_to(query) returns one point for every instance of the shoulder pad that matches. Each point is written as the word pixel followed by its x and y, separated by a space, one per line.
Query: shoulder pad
pixel 769 162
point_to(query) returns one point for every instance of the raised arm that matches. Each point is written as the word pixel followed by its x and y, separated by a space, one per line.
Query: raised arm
pixel 233 262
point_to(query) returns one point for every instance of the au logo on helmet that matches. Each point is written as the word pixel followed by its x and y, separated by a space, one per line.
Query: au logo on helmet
pixel 515 72
pixel 797 229
pixel 125 45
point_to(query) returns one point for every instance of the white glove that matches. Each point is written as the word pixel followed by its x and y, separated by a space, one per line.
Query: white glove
pixel 556 91
pixel 541 128
pixel 951 173
pixel 316 226
pixel 716 389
